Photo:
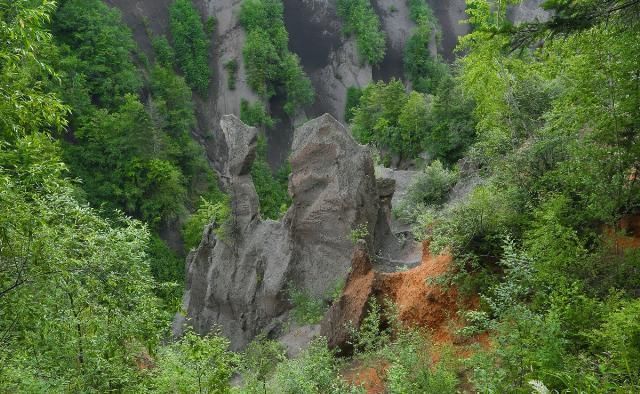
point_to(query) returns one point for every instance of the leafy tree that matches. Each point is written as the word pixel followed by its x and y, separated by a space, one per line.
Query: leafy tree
pixel 216 212
pixel 271 68
pixel 165 55
pixel 421 68
pixel 259 361
pixel 360 20
pixel 123 145
pixel 194 364
pixel 191 44
pixel 97 49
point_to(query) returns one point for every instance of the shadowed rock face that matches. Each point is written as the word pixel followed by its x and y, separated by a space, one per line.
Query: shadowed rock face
pixel 238 283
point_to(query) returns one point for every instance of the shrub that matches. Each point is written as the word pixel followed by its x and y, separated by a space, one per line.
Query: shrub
pixel 429 189
pixel 194 364
pixel 410 369
pixel 259 361
pixel 164 52
pixel 255 114
pixel 360 19
pixel 306 309
pixel 371 336
pixel 352 102
pixel 271 68
pixel 314 371
pixel 232 73
pixel 272 190
pixel 361 231
pixel 216 211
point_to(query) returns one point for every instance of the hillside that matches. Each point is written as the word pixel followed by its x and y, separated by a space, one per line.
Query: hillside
pixel 319 196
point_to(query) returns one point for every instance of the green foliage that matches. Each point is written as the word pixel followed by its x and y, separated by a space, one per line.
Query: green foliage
pixel 271 68
pixel 216 211
pixel 360 19
pixel 359 232
pixel 87 275
pixel 96 47
pixel 255 115
pixel 194 364
pixel 26 105
pixel 376 120
pixel 314 371
pixel 258 363
pixel 232 73
pixel 370 336
pixel 452 126
pixel 429 189
pixel 410 371
pixel 191 44
pixel 272 190
pixel 352 102
pixel 165 55
pixel 167 269
pixel 306 309
pixel 122 145
pixel 423 70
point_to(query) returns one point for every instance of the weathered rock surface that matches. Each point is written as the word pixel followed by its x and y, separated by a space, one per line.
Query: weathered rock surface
pixel 238 283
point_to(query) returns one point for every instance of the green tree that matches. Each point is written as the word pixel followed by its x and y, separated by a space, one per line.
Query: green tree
pixel 360 19
pixel 191 44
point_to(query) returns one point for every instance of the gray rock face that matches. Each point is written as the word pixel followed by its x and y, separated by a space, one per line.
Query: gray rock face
pixel 238 283
pixel 334 190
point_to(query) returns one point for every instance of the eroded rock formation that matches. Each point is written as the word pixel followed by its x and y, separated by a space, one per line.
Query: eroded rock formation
pixel 239 282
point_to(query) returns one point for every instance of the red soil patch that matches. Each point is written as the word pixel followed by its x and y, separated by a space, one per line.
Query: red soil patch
pixel 626 235
pixel 368 376
pixel 419 303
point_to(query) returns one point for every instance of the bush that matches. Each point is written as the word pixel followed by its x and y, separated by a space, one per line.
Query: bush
pixel 232 73
pixel 271 68
pixel 194 364
pixel 314 371
pixel 164 52
pixel 360 19
pixel 272 190
pixel 410 369
pixel 259 361
pixel 429 189
pixel 255 114
pixel 191 44
pixel 167 268
pixel 216 211
pixel 306 309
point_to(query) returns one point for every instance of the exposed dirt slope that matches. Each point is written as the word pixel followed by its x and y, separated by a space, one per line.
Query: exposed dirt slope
pixel 420 303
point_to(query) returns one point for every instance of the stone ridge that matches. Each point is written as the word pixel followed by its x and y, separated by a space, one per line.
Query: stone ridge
pixel 239 283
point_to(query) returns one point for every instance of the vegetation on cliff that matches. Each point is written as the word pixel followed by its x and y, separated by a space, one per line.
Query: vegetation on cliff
pixel 271 68
pixel 96 157
pixel 191 44
pixel 360 19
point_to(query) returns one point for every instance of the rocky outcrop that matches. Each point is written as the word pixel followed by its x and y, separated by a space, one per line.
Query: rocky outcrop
pixel 238 283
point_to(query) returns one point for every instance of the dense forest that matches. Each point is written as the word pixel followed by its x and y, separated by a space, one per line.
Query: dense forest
pixel 539 120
